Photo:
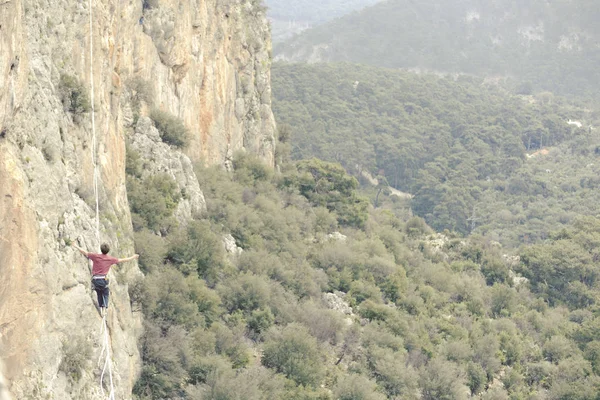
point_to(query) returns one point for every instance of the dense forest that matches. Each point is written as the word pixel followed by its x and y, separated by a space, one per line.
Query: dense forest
pixel 476 157
pixel 422 236
pixel 542 45
pixel 327 297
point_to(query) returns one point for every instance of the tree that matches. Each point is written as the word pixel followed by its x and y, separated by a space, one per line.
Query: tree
pixel 442 380
pixel 293 353
pixel 328 185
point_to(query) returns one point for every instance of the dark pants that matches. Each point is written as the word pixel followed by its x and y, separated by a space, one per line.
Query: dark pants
pixel 101 288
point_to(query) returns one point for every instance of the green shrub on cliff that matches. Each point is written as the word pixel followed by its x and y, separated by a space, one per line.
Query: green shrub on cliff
pixel 172 130
pixel 74 95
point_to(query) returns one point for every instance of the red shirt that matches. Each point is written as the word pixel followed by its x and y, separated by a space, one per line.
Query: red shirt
pixel 102 263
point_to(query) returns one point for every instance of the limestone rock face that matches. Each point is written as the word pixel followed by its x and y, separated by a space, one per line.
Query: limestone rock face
pixel 210 66
pixel 158 157
pixel 206 61
pixel 4 395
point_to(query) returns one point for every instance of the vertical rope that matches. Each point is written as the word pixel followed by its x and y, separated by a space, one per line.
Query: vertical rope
pixel 104 328
pixel 107 361
pixel 94 140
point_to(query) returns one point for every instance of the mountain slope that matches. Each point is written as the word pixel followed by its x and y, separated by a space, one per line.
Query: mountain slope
pixel 552 46
pixel 458 146
pixel 305 305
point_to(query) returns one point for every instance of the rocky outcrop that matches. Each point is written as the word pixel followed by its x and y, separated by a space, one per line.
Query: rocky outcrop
pixel 158 157
pixel 207 62
pixel 212 70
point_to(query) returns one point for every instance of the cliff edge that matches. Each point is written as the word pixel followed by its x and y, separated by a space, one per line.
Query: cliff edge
pixel 206 62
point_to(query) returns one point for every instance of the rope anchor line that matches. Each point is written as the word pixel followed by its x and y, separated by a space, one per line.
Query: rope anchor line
pixel 107 361
pixel 104 328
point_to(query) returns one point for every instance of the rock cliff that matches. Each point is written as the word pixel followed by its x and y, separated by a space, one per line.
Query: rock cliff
pixel 205 61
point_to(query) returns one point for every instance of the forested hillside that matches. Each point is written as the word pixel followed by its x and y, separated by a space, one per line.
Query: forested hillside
pixel 318 295
pixel 289 17
pixel 543 45
pixel 468 150
pixel 421 237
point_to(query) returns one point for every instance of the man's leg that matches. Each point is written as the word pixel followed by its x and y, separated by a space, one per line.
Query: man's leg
pixel 101 287
pixel 98 289
pixel 105 294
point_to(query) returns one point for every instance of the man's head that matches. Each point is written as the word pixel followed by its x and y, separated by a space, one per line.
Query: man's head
pixel 105 248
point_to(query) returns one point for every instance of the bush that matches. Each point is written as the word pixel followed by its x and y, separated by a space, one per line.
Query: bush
pixel 295 354
pixel 153 200
pixel 557 348
pixel 259 322
pixel 171 129
pixel 73 95
pixel 494 270
pixel 356 387
pixel 133 163
pixel 230 341
pixel 416 226
pixel 141 90
pixel 163 372
pixel 197 249
pixel 249 169
pixel 394 374
pixel 442 380
pixel 170 298
pixel 328 185
pixel 151 248
pixel 246 293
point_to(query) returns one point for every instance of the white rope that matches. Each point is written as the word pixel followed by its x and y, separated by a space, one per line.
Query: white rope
pixel 104 328
pixel 94 141
pixel 107 363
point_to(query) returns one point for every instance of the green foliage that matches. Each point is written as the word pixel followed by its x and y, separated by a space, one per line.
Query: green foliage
pixel 416 227
pixel 442 380
pixel 476 378
pixel 356 387
pixel 163 371
pixel 141 89
pixel 557 348
pixel 295 354
pixel 250 169
pixel 246 293
pixel 495 271
pixel 151 248
pixel 386 309
pixel 563 270
pixel 230 341
pixel 74 95
pixel 153 200
pixel 172 130
pixel 196 248
pixel 133 163
pixel 458 145
pixel 169 299
pixel 327 185
pixel 260 321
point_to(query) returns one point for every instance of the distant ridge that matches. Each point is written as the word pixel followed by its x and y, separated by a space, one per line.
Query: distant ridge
pixel 545 46
pixel 293 16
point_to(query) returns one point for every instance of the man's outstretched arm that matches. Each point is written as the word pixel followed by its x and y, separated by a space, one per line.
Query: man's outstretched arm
pixel 82 251
pixel 133 257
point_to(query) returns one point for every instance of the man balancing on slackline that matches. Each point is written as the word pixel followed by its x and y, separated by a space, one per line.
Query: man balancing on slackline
pixel 101 265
